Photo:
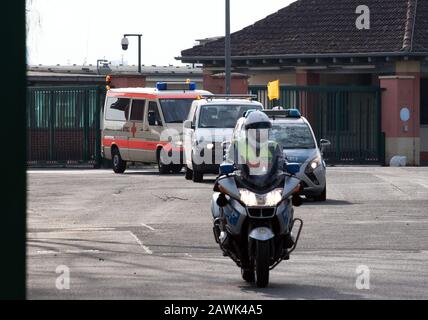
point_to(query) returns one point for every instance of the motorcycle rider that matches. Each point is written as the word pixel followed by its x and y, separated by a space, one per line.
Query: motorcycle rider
pixel 253 153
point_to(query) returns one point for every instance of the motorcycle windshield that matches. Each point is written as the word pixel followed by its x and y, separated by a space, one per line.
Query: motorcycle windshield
pixel 263 174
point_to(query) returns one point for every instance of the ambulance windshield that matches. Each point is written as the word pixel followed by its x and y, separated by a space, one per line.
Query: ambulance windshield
pixel 175 110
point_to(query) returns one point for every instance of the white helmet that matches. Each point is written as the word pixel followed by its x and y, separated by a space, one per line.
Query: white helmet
pixel 257 126
pixel 257 120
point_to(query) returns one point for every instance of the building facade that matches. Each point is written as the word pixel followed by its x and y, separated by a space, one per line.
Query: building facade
pixel 327 43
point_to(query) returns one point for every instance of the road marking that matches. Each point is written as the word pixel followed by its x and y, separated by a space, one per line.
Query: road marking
pixel 147 249
pixel 148 227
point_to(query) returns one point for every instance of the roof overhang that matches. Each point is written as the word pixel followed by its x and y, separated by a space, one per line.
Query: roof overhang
pixel 295 59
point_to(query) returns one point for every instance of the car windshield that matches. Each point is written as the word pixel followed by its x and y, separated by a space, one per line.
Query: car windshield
pixel 175 110
pixel 222 116
pixel 293 136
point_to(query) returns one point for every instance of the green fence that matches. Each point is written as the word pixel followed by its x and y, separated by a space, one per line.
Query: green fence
pixel 63 124
pixel 350 117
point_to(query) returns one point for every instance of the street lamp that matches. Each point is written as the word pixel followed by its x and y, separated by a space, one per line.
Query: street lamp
pixel 125 44
pixel 228 57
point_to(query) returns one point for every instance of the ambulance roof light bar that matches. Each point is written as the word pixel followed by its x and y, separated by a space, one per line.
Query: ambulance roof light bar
pixel 165 86
pixel 229 96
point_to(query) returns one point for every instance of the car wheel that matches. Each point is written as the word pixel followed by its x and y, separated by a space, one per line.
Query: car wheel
pixel 118 164
pixel 189 174
pixel 197 176
pixel 322 197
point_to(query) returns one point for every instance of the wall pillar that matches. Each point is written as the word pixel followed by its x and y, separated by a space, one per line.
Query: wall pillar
pixel 307 101
pixel 306 78
pixel 401 91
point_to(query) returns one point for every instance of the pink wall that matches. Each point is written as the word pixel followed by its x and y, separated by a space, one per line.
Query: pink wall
pixel 400 92
pixel 216 83
pixel 124 81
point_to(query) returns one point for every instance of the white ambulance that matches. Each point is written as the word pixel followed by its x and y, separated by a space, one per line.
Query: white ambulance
pixel 146 125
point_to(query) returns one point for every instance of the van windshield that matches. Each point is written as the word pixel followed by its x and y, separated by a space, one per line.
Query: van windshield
pixel 175 110
pixel 293 136
pixel 222 116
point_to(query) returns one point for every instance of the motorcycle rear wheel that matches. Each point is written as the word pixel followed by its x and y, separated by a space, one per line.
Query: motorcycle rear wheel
pixel 262 263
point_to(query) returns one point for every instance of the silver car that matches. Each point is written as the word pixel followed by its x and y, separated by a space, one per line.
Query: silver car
pixel 296 136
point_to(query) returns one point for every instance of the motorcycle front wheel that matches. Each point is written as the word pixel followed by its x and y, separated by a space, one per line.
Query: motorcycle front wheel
pixel 262 258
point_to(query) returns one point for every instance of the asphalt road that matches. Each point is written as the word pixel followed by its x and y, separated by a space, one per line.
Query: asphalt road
pixel 145 236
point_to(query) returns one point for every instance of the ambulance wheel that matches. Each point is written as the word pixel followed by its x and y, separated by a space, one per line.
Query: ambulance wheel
pixel 189 174
pixel 119 166
pixel 163 168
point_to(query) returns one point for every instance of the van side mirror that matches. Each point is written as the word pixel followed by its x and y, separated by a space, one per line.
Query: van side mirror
pixel 188 124
pixel 324 144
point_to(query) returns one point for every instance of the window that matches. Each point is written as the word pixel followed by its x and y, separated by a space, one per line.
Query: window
pixel 222 116
pixel 293 136
pixel 137 111
pixel 175 110
pixel 117 109
pixel 154 118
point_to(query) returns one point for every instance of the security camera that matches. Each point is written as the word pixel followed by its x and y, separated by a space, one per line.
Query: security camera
pixel 125 43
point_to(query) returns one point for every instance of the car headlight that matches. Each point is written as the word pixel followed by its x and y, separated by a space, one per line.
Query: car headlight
pixel 251 199
pixel 315 163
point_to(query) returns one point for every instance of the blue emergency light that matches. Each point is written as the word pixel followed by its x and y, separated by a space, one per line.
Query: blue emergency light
pixel 293 113
pixel 164 86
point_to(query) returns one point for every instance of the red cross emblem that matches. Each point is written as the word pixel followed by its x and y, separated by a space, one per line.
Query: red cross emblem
pixel 133 130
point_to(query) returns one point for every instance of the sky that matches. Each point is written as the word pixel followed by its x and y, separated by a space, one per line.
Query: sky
pixel 82 31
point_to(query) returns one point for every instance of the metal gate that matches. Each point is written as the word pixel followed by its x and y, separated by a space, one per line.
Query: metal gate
pixel 63 125
pixel 350 117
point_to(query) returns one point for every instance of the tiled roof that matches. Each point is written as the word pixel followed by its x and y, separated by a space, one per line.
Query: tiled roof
pixel 329 27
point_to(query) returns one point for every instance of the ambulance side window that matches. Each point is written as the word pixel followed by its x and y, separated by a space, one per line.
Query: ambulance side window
pixel 153 116
pixel 117 109
pixel 137 111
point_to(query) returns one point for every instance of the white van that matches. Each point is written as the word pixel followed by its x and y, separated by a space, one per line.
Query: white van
pixel 208 128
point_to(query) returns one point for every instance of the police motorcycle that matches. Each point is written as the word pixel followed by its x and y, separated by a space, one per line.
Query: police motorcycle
pixel 253 216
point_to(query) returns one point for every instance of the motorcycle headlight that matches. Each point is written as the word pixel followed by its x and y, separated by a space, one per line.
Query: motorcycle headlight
pixel 251 199
pixel 315 163
pixel 210 146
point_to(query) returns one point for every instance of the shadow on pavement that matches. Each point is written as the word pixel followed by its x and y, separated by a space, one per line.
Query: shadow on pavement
pixel 328 202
